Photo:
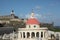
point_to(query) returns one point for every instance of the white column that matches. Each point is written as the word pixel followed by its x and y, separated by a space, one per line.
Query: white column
pixel 25 34
pixel 46 34
pixel 35 34
pixel 43 34
pixel 22 34
pixel 30 34
pixel 19 34
pixel 39 34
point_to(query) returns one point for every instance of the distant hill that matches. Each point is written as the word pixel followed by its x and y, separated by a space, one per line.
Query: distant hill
pixel 57 26
pixel 20 23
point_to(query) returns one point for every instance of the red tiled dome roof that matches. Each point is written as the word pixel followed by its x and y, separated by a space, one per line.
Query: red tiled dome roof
pixel 32 21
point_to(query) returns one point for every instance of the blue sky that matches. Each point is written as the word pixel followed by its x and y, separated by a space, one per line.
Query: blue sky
pixel 45 10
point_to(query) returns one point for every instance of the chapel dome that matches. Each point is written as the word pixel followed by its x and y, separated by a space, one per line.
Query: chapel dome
pixel 32 21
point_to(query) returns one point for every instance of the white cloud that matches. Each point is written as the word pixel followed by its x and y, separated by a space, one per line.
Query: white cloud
pixel 37 7
pixel 27 15
pixel 38 15
pixel 54 4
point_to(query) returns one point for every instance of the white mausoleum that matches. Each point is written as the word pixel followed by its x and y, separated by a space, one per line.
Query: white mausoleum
pixel 33 31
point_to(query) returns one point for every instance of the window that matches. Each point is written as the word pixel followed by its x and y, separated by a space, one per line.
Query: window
pixel 34 26
pixel 29 26
pixel 23 34
pixel 33 34
pixel 37 34
pixel 28 34
pixel 41 34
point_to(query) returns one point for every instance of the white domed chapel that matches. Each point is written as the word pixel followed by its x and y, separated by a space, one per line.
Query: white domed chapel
pixel 33 31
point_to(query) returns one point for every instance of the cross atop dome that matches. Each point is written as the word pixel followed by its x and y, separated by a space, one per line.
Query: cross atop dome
pixel 32 14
